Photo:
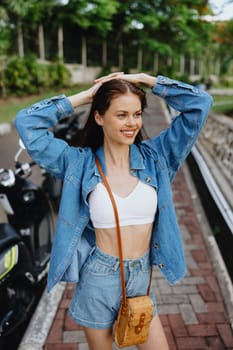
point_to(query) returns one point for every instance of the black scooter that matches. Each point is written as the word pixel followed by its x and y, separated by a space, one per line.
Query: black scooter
pixel 25 244
pixel 68 129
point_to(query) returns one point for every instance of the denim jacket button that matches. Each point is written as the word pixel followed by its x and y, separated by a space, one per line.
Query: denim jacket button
pixel 133 264
pixel 156 245
pixel 161 266
pixel 148 179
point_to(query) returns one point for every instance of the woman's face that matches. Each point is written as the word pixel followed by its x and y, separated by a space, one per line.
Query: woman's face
pixel 123 119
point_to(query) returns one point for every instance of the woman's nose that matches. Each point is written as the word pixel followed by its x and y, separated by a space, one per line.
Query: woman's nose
pixel 130 120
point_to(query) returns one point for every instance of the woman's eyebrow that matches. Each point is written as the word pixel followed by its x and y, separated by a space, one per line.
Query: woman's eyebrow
pixel 126 111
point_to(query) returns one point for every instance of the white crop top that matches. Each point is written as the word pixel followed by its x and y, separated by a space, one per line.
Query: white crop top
pixel 139 207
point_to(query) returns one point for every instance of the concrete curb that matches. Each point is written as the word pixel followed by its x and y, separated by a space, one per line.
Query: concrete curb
pixel 219 266
pixel 5 128
pixel 39 326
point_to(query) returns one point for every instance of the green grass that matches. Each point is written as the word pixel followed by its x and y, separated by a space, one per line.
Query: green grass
pixel 11 106
pixel 223 104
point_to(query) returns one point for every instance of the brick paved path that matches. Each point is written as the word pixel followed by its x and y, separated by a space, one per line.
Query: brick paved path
pixel 192 312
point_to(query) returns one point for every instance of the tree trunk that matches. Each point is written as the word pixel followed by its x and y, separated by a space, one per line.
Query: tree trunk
pixel 104 53
pixel 41 42
pixel 169 61
pixel 192 66
pixel 182 64
pixel 3 60
pixel 217 67
pixel 84 51
pixel 200 67
pixel 139 60
pixel 20 39
pixel 60 43
pixel 121 57
pixel 156 63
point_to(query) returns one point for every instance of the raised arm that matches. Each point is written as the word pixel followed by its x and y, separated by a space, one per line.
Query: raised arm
pixel 34 123
pixel 192 106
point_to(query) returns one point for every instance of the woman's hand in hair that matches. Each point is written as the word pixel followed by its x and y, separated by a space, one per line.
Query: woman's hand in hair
pixel 115 75
pixel 85 97
pixel 136 78
pixel 140 79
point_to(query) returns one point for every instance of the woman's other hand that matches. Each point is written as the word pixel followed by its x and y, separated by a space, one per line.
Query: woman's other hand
pixel 86 96
pixel 136 78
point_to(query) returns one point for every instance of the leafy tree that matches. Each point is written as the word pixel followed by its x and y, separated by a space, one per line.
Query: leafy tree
pixel 37 15
pixel 137 29
pixel 96 13
pixel 4 31
pixel 162 26
pixel 224 38
pixel 17 10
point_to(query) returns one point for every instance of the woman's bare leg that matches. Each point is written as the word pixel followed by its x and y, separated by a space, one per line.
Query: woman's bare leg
pixel 99 339
pixel 157 338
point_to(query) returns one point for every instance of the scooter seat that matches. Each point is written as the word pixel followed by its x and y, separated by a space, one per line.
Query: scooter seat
pixel 8 236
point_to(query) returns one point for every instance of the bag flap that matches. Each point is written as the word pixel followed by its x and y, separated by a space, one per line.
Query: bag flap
pixel 140 310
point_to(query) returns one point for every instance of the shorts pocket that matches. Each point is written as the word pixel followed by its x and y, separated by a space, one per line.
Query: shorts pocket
pixel 97 267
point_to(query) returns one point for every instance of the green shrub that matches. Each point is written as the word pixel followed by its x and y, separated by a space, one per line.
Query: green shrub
pixel 37 74
pixel 59 75
pixel 28 76
pixel 17 77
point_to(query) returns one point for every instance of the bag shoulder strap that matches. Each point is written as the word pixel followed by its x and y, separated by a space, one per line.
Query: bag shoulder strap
pixel 106 184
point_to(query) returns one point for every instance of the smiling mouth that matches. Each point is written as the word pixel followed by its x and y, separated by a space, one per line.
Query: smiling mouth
pixel 128 133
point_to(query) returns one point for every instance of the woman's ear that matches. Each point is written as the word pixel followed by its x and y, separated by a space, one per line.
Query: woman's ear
pixel 98 118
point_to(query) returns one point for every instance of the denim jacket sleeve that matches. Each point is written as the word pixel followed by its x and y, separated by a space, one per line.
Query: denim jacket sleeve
pixel 33 126
pixel 176 141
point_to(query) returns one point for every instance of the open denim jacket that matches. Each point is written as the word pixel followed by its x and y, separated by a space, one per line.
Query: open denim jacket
pixel 154 161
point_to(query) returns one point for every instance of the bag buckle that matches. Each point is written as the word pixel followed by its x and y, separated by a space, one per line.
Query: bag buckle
pixel 139 327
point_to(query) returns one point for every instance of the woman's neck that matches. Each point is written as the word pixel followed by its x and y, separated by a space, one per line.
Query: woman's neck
pixel 116 157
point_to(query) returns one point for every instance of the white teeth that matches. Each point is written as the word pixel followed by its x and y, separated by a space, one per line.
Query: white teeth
pixel 128 133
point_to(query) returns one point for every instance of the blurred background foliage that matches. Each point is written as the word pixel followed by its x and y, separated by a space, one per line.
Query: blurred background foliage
pixel 38 39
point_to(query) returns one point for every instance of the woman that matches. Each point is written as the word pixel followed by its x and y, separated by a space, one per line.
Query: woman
pixel 85 248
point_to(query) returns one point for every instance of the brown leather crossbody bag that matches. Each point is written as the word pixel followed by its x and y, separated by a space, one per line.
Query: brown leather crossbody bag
pixel 135 314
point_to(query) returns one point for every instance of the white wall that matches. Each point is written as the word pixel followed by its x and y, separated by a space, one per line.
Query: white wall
pixel 81 74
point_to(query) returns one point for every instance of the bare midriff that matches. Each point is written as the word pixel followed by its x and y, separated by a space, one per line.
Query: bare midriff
pixel 135 240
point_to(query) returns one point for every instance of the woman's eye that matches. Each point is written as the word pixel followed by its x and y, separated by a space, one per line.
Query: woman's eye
pixel 125 115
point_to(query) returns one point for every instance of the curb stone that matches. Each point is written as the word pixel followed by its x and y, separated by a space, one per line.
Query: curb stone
pixel 219 266
pixel 5 128
pixel 39 326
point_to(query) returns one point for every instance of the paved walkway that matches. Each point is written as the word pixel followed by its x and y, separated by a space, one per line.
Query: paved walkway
pixel 193 313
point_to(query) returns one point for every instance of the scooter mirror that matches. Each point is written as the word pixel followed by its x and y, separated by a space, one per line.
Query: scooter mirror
pixel 21 144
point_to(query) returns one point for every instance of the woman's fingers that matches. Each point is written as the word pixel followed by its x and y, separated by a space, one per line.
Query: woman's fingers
pixel 132 78
pixel 109 77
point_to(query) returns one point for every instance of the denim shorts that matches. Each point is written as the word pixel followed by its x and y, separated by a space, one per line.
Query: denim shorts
pixel 98 294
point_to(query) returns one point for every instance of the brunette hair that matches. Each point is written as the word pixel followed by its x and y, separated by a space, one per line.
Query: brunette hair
pixel 92 133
